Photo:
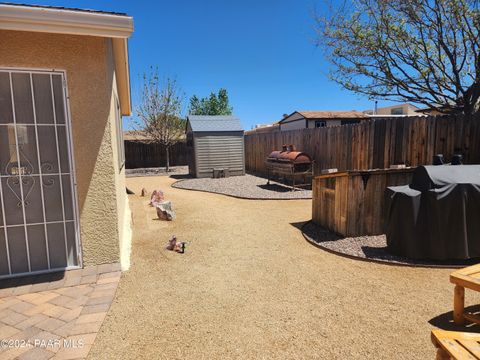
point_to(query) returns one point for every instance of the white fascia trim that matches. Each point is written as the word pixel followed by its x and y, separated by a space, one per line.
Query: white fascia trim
pixel 120 53
pixel 25 18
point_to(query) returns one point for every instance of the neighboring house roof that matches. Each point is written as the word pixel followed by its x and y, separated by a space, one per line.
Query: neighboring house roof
pixel 264 129
pixel 47 19
pixel 135 135
pixel 203 123
pixel 430 111
pixel 332 114
pixel 327 115
pixel 140 136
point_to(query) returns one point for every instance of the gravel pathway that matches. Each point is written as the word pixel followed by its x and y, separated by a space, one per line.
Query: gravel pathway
pixel 246 187
pixel 368 247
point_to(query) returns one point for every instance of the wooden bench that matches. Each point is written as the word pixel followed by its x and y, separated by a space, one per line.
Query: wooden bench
pixel 456 345
pixel 469 278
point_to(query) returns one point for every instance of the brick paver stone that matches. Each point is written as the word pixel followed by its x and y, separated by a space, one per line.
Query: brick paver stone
pixel 82 319
pixel 6 331
pixel 21 307
pixel 14 318
pixel 71 314
pixel 50 324
pixel 31 321
pixel 95 308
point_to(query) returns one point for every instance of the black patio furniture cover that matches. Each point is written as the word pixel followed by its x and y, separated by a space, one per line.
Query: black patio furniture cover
pixel 437 216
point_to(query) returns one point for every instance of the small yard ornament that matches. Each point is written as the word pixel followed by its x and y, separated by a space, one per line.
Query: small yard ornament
pixel 174 246
pixel 172 243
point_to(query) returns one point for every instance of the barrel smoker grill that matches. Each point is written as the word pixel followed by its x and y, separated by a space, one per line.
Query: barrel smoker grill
pixel 290 163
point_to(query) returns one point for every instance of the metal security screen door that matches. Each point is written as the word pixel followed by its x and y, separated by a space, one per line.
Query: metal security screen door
pixel 38 222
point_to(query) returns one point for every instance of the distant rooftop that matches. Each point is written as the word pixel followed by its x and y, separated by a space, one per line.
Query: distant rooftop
pixel 332 114
pixel 65 8
pixel 203 123
pixel 353 114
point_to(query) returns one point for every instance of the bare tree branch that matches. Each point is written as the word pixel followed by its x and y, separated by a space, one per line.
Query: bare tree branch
pixel 423 51
pixel 159 113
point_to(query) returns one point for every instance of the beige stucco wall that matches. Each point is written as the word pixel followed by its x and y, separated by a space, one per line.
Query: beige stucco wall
pixel 90 80
pixel 330 122
pixel 294 122
pixel 407 109
pixel 123 210
pixel 300 123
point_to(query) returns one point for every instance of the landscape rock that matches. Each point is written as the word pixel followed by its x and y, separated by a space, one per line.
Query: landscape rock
pixel 157 197
pixel 165 211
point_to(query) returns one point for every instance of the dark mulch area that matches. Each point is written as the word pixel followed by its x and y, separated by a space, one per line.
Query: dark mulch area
pixel 369 248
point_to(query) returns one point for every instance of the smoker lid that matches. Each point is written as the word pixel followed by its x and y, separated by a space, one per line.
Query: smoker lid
pixel 291 156
pixel 430 176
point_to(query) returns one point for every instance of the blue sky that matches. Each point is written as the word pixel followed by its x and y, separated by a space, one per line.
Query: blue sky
pixel 261 51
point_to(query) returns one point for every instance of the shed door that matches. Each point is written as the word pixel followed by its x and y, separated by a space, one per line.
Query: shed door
pixel 37 199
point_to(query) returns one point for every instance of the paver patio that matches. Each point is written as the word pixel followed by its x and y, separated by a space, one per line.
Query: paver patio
pixel 56 319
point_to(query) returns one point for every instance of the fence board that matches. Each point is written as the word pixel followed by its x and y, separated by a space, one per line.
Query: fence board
pixel 376 143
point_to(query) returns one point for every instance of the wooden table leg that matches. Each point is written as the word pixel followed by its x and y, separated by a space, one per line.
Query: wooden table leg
pixel 458 304
pixel 442 355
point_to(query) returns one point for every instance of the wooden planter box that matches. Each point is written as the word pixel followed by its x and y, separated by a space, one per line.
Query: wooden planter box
pixel 351 203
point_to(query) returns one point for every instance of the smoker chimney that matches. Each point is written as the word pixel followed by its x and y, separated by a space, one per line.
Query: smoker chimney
pixel 438 159
pixel 457 159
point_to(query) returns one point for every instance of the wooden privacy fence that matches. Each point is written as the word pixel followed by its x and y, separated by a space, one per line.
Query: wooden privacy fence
pixel 140 154
pixel 373 144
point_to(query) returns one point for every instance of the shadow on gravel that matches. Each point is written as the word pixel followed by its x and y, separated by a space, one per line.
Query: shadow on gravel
pixel 369 248
pixel 445 321
pixel 275 188
pixel 181 176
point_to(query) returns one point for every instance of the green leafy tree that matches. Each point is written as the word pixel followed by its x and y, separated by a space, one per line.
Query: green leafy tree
pixel 159 112
pixel 214 104
pixel 422 51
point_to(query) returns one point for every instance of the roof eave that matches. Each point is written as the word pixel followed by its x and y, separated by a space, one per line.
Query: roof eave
pixel 286 117
pixel 122 70
pixel 70 22
pixel 63 21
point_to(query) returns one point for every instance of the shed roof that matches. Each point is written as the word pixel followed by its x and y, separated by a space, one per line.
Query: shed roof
pixel 203 123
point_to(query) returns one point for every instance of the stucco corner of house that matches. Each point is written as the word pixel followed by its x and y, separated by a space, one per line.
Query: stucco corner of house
pixel 126 241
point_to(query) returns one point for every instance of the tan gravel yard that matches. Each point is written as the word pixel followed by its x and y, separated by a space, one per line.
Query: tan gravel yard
pixel 250 287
